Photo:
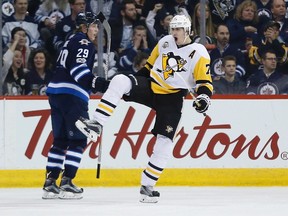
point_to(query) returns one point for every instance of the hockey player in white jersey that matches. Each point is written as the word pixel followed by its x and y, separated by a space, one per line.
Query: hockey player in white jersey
pixel 175 65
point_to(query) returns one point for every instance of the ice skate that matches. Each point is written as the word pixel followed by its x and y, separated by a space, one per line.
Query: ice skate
pixel 68 190
pixel 90 128
pixel 50 189
pixel 148 195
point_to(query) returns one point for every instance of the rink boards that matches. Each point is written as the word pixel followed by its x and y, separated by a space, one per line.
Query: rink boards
pixel 243 141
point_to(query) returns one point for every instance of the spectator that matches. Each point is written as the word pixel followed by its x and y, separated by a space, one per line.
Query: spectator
pixel 139 62
pixel 13 77
pixel 21 19
pixel 279 10
pixel 67 25
pixel 18 41
pixel 271 41
pixel 48 14
pixel 158 21
pixel 40 74
pixel 171 6
pixel 268 80
pixel 222 49
pixel 263 9
pixel 229 83
pixel 139 7
pixel 210 42
pixel 123 26
pixel 139 44
pixel 244 25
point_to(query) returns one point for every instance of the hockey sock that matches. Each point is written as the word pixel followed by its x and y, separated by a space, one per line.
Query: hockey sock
pixel 119 86
pixel 162 152
pixel 54 165
pixel 72 161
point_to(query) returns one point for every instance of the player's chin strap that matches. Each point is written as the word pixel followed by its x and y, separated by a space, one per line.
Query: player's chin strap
pixel 186 36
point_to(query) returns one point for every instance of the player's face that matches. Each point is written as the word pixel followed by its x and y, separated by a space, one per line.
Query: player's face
pixel 92 31
pixel 179 35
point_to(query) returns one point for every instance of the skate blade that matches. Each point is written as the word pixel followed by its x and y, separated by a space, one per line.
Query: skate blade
pixel 147 199
pixel 49 195
pixel 65 195
pixel 92 135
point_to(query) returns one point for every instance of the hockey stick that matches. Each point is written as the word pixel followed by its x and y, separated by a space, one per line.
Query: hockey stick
pixel 99 158
pixel 107 28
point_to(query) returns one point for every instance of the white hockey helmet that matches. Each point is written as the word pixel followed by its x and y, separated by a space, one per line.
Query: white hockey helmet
pixel 181 21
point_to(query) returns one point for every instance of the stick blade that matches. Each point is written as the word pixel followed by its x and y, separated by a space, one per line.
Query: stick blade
pixel 101 17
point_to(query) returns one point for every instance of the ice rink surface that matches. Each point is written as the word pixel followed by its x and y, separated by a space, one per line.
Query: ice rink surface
pixel 174 201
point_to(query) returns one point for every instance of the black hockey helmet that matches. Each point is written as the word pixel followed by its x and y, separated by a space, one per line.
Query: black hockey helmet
pixel 86 18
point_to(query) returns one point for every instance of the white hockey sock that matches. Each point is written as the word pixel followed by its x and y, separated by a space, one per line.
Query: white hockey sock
pixel 162 152
pixel 119 86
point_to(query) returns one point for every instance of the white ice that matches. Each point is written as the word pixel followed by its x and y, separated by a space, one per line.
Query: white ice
pixel 174 201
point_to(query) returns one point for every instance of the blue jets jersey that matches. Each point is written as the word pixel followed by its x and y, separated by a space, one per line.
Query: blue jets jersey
pixel 73 73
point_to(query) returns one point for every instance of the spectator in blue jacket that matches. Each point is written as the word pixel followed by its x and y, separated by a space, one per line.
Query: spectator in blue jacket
pixel 268 80
pixel 244 25
pixel 223 48
pixel 139 43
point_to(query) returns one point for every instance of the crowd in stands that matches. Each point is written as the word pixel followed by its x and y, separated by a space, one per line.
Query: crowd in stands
pixel 247 40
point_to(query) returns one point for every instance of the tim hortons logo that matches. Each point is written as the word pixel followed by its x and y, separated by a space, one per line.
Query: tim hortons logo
pixel 236 146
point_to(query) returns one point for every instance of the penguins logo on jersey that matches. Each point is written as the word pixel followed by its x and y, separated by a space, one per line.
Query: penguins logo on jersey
pixel 171 64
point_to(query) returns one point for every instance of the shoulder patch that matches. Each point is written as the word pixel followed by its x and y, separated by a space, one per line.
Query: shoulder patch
pixel 84 42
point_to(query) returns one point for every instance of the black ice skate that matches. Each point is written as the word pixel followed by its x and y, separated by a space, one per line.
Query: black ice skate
pixel 68 190
pixel 90 128
pixel 148 195
pixel 51 190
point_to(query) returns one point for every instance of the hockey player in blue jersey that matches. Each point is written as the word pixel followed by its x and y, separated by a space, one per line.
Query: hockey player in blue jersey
pixel 68 98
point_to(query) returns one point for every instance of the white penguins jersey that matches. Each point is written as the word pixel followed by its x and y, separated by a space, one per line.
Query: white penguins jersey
pixel 173 68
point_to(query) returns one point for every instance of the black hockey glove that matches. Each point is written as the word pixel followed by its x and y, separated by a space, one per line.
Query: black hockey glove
pixel 99 84
pixel 201 103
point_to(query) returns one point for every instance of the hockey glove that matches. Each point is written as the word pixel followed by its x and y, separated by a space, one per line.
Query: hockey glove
pixel 99 84
pixel 201 103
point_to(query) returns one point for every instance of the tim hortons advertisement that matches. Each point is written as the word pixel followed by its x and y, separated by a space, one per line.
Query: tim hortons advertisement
pixel 234 134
